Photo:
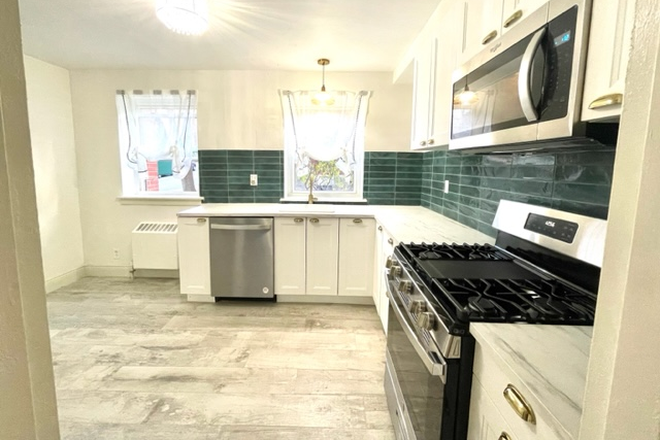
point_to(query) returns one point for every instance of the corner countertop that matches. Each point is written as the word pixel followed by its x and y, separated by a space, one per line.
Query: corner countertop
pixel 403 223
pixel 551 360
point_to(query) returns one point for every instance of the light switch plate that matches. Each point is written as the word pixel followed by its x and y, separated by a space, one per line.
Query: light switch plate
pixel 253 180
pixel 446 186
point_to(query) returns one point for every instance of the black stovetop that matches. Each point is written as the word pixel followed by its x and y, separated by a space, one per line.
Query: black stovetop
pixel 482 283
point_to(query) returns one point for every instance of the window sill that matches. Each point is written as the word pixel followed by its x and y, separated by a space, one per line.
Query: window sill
pixel 165 200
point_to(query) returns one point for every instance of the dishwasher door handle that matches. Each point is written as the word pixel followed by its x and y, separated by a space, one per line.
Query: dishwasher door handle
pixel 241 227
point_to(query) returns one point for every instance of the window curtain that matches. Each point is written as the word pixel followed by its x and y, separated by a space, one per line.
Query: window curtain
pixel 159 125
pixel 322 136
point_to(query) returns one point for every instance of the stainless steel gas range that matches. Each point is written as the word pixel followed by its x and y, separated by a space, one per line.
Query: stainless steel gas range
pixel 543 269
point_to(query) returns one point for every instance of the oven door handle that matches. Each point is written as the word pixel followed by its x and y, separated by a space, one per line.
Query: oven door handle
pixel 524 77
pixel 434 368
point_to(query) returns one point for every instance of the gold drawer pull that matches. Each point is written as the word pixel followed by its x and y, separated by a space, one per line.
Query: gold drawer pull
pixel 313 220
pixel 201 220
pixel 504 436
pixel 380 228
pixel 519 404
pixel 431 141
pixel 490 37
pixel 390 241
pixel 606 101
pixel 298 220
pixel 357 220
pixel 514 17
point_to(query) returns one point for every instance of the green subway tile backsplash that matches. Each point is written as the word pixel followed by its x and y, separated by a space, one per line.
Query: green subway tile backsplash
pixel 575 181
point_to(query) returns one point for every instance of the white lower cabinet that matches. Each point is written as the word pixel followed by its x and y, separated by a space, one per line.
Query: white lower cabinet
pixel 322 242
pixel 486 422
pixel 289 250
pixel 194 256
pixel 356 256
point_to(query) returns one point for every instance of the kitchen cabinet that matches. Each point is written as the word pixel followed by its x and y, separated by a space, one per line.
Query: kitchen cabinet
pixel 423 83
pixel 607 59
pixel 356 256
pixel 194 256
pixel 383 249
pixel 485 422
pixel 289 254
pixel 515 11
pixel 321 246
pixel 494 383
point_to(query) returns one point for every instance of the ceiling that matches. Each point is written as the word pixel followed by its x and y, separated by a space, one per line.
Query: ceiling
pixel 356 35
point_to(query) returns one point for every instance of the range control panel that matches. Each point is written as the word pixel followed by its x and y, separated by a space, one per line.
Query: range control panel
pixel 552 227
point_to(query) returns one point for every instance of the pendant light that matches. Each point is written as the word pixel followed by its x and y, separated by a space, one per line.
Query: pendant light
pixel 467 96
pixel 323 97
pixel 188 17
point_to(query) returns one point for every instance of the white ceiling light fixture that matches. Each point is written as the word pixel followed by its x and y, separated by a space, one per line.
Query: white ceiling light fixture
pixel 323 97
pixel 188 17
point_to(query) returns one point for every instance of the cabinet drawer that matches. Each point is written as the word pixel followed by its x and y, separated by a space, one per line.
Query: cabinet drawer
pixel 486 422
pixel 495 377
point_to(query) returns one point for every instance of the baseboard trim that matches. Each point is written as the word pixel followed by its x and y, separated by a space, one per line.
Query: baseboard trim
pixel 109 271
pixel 65 279
pixel 359 300
pixel 155 273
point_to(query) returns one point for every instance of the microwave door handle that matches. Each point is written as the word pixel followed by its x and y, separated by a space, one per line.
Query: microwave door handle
pixel 524 77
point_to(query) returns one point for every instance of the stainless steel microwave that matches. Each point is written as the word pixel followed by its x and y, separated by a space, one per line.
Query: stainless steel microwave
pixel 525 86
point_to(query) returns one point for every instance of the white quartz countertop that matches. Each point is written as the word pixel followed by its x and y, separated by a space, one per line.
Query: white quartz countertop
pixel 551 360
pixel 403 223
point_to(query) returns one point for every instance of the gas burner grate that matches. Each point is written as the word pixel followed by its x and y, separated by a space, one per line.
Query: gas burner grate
pixel 445 251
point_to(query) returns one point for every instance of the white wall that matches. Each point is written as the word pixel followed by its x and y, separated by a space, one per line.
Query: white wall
pixel 236 109
pixel 55 171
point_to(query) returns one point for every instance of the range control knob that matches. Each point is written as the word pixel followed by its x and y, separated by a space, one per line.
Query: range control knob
pixel 426 321
pixel 417 307
pixel 388 262
pixel 405 287
pixel 395 271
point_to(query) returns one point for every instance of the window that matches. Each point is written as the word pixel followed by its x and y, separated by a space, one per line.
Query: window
pixel 324 145
pixel 158 142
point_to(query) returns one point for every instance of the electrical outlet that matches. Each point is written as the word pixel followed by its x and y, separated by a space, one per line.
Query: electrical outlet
pixel 253 180
pixel 446 186
pixel 115 254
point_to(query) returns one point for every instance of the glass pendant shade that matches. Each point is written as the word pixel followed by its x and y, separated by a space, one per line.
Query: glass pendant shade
pixel 188 17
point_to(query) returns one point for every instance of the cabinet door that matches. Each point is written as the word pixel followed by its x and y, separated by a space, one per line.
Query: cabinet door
pixel 194 256
pixel 423 82
pixel 482 23
pixel 290 256
pixel 485 421
pixel 447 49
pixel 607 58
pixel 515 11
pixel 387 246
pixel 356 256
pixel 322 243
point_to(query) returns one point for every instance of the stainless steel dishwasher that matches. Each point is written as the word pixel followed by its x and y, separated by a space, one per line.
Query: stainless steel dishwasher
pixel 242 257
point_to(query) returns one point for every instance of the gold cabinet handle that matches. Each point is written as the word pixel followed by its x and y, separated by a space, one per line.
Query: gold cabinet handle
pixel 380 228
pixel 298 220
pixel 490 37
pixel 514 17
pixel 201 220
pixel 313 220
pixel 431 141
pixel 422 143
pixel 357 220
pixel 390 241
pixel 504 436
pixel 519 404
pixel 606 101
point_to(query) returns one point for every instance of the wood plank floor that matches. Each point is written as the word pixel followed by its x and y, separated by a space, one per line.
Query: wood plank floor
pixel 134 361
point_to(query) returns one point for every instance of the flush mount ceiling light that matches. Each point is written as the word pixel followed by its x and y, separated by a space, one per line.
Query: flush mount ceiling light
pixel 323 97
pixel 188 17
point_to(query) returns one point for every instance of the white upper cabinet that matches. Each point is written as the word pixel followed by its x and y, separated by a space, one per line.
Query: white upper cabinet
pixel 423 79
pixel 607 59
pixel 194 256
pixel 322 244
pixel 356 256
pixel 289 250
pixel 482 23
pixel 515 11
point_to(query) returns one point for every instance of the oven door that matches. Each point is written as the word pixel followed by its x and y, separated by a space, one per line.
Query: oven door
pixel 419 382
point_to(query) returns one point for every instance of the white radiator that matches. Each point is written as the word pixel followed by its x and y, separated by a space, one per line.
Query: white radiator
pixel 154 246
